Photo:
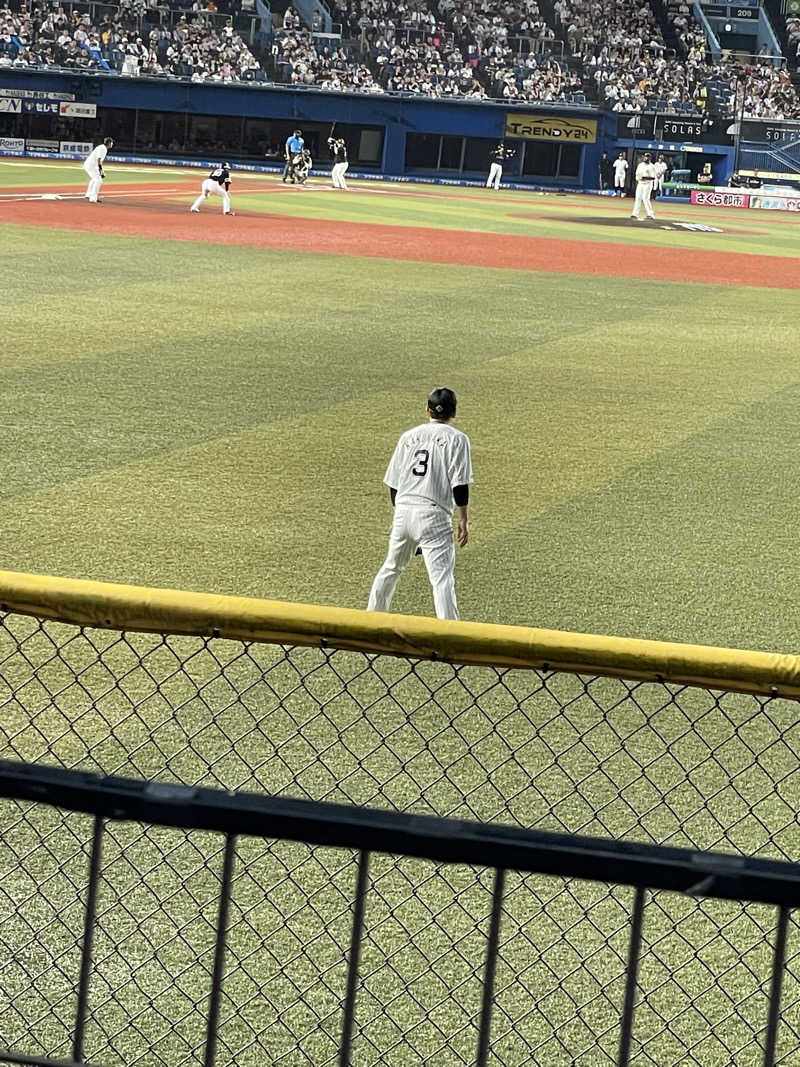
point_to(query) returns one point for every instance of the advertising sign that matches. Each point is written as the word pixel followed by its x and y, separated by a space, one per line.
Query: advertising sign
pixel 41 146
pixel 75 148
pixel 36 94
pixel 13 145
pixel 776 203
pixel 776 130
pixel 78 111
pixel 551 128
pixel 10 104
pixel 720 198
pixel 40 107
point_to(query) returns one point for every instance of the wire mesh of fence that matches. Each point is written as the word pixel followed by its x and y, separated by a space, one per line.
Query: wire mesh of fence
pixel 644 761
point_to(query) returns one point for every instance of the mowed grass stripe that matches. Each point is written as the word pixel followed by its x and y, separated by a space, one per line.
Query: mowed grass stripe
pixel 696 543
pixel 566 421
pixel 208 364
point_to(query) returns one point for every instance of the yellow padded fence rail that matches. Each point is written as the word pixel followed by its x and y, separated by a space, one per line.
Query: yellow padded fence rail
pixel 134 608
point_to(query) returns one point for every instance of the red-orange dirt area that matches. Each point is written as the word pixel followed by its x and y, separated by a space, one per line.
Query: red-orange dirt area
pixel 158 219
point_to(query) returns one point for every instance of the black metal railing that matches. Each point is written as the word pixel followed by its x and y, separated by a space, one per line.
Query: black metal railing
pixel 362 833
pixel 634 761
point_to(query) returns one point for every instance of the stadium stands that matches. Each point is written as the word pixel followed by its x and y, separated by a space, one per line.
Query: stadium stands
pixel 300 60
pixel 626 54
pixel 198 45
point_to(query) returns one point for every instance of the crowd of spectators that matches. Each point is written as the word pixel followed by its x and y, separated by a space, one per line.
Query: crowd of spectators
pixel 693 85
pixel 305 60
pixel 624 27
pixel 471 48
pixel 537 76
pixel 768 90
pixel 467 48
pixel 625 58
pixel 640 82
pixel 433 67
pixel 192 49
pixel 688 32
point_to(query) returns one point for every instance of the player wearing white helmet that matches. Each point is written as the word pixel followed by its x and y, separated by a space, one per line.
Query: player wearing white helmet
pixel 218 181
pixel 429 474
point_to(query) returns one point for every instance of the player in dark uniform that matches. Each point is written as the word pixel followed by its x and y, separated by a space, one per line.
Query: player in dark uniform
pixel 498 156
pixel 218 181
pixel 302 167
pixel 338 150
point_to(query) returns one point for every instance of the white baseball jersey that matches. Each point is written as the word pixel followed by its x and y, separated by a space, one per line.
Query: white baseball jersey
pixel 645 172
pixel 96 157
pixel 427 463
pixel 660 169
pixel 620 167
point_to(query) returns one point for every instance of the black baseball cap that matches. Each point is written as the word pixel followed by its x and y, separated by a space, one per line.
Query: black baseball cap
pixel 442 403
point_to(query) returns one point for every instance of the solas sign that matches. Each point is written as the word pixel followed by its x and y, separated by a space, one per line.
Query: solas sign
pixel 551 128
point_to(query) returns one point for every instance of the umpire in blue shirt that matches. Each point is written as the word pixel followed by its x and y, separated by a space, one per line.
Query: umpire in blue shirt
pixel 293 149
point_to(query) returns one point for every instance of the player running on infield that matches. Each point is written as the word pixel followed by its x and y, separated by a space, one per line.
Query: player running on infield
pixel 93 165
pixel 218 181
pixel 429 473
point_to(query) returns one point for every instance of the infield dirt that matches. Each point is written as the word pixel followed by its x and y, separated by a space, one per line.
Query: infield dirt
pixel 164 220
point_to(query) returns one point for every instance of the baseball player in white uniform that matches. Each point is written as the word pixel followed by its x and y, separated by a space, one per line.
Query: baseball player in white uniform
pixel 93 165
pixel 218 181
pixel 429 473
pixel 660 169
pixel 620 174
pixel 645 176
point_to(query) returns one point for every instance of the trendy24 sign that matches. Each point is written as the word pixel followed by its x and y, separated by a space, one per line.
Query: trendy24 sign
pixel 551 128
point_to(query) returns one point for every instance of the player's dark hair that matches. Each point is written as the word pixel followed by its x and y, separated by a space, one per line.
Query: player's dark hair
pixel 442 403
pixel 108 142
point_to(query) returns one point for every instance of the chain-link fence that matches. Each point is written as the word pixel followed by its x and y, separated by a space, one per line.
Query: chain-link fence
pixel 643 761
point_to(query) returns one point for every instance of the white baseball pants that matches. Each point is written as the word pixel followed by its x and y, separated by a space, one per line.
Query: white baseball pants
pixel 95 181
pixel 430 528
pixel 338 172
pixel 495 174
pixel 208 187
pixel 619 183
pixel 643 191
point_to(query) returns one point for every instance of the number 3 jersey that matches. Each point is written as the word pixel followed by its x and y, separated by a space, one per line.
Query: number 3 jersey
pixel 428 462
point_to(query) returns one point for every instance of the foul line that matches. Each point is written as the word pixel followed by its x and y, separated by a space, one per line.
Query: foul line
pixel 12 198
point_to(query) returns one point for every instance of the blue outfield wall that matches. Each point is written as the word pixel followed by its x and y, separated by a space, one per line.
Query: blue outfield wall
pixel 397 116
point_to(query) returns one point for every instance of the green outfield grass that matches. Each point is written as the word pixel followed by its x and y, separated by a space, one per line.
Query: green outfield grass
pixel 220 417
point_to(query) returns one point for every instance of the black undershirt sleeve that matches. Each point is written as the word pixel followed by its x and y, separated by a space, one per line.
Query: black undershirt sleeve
pixel 461 495
pixel 392 494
